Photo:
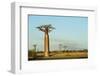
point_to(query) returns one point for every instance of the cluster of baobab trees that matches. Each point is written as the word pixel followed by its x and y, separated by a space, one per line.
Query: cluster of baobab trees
pixel 62 47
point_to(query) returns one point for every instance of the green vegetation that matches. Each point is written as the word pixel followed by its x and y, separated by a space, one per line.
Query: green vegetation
pixel 31 54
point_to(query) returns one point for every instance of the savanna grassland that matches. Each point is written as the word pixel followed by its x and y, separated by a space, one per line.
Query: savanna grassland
pixel 57 54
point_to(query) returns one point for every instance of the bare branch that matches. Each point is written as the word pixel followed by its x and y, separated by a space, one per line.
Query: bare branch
pixel 41 29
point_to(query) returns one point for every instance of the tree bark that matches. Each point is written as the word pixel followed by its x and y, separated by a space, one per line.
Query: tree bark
pixel 46 45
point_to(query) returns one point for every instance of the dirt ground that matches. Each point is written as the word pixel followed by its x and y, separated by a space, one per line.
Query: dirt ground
pixel 59 55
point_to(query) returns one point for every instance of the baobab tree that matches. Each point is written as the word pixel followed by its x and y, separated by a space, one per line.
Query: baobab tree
pixel 64 47
pixel 60 47
pixel 34 47
pixel 46 29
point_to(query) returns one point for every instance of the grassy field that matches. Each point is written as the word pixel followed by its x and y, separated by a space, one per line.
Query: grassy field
pixel 57 55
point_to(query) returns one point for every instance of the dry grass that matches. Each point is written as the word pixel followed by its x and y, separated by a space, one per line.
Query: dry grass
pixel 59 55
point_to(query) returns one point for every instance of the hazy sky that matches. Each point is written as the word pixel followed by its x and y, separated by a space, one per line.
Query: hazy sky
pixel 70 31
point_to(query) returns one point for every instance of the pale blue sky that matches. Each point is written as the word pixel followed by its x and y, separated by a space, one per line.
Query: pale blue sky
pixel 71 31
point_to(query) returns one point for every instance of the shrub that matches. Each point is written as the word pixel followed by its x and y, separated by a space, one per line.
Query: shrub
pixel 32 53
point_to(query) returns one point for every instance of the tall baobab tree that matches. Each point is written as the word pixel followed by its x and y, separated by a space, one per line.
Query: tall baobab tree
pixel 46 29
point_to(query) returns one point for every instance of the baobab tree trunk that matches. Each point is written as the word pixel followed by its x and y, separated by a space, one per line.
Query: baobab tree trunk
pixel 46 44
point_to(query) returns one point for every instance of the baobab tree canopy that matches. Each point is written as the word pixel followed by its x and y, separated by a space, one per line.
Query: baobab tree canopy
pixel 46 28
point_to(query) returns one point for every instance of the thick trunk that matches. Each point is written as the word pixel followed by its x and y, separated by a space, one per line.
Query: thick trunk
pixel 46 44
